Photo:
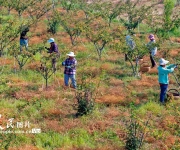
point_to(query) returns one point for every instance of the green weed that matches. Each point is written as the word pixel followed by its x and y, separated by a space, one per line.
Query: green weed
pixel 152 107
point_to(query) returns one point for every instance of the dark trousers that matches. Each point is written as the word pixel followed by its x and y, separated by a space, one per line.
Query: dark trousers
pixel 54 64
pixel 125 57
pixel 164 88
pixel 153 63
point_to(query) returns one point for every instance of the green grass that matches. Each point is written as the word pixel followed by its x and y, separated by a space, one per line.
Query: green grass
pixel 152 107
pixel 175 32
pixel 75 137
pixel 98 130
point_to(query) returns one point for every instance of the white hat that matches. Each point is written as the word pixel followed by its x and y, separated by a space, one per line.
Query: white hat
pixel 163 61
pixel 71 54
pixel 51 40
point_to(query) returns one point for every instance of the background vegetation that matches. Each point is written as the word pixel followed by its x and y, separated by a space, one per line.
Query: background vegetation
pixel 113 99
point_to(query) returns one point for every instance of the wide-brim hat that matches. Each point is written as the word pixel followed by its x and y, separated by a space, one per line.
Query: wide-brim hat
pixel 163 61
pixel 51 40
pixel 71 54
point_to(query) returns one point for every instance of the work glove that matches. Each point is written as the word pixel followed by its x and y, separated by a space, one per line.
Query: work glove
pixel 68 66
pixel 63 63
pixel 47 48
pixel 72 66
pixel 176 66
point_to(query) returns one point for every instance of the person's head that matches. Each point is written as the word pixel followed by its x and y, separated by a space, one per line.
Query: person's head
pixel 71 55
pixel 151 37
pixel 163 62
pixel 51 41
pixel 24 28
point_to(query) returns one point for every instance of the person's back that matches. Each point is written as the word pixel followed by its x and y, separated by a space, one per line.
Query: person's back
pixel 130 42
pixel 24 38
pixel 163 79
pixel 163 73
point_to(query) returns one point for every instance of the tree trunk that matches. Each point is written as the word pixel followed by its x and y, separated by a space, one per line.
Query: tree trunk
pixel 46 82
pixel 0 53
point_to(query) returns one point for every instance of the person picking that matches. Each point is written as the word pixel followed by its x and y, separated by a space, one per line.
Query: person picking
pixel 163 72
pixel 53 49
pixel 70 69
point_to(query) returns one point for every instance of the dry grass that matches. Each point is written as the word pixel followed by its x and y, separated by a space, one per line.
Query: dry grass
pixel 174 52
pixel 99 125
pixel 170 141
pixel 61 119
pixel 35 40
pixel 25 147
pixel 112 99
pixel 16 81
pixel 115 82
pixel 79 48
pixel 176 39
pixel 146 81
pixel 6 61
pixel 33 65
pixel 112 112
pixel 26 95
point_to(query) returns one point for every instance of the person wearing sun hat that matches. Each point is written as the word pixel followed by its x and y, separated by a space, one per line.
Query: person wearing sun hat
pixel 70 69
pixel 53 49
pixel 152 49
pixel 163 79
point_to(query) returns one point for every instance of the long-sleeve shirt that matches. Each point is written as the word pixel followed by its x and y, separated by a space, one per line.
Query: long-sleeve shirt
pixel 152 48
pixel 53 48
pixel 163 73
pixel 23 35
pixel 130 42
pixel 70 66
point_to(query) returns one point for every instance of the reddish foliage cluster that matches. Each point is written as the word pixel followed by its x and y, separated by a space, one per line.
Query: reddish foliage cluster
pixel 99 125
pixel 5 61
pixel 33 65
pixel 112 99
pixel 25 147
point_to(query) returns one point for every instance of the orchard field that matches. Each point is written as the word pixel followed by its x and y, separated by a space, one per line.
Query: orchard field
pixel 116 105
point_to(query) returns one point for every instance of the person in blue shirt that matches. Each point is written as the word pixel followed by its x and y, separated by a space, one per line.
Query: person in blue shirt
pixel 163 72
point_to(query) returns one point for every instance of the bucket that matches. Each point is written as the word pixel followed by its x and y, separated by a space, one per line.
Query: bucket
pixel 173 93
pixel 145 67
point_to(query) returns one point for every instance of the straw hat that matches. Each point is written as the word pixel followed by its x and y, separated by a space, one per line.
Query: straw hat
pixel 71 54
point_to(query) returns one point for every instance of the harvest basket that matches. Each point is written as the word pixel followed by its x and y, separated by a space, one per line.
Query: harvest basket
pixel 174 94
pixel 145 67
